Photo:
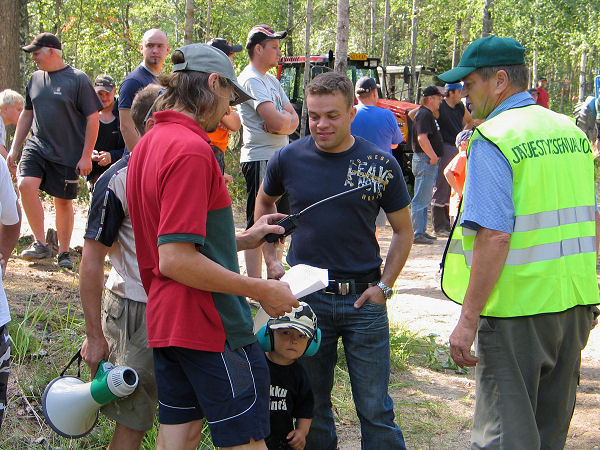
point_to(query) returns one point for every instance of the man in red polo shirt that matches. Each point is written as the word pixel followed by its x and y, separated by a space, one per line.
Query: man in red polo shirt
pixel 206 359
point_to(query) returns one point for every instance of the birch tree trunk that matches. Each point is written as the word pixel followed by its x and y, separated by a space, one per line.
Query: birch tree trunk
pixel 384 54
pixel 488 22
pixel 342 34
pixel 582 75
pixel 208 13
pixel 188 27
pixel 306 67
pixel 373 10
pixel 413 52
pixel 57 21
pixel 289 42
pixel 455 44
pixel 534 67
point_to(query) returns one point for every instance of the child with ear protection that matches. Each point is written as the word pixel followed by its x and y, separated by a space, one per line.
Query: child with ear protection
pixel 284 340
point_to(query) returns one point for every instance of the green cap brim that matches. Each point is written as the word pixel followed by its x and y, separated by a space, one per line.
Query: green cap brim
pixel 456 74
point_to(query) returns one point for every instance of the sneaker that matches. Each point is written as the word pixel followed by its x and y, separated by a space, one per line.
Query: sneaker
pixel 428 236
pixel 36 251
pixel 64 260
pixel 421 239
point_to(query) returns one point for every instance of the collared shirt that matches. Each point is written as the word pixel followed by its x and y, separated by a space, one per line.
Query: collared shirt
pixel 488 186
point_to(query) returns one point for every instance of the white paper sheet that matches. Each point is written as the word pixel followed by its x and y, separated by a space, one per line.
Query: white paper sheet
pixel 304 279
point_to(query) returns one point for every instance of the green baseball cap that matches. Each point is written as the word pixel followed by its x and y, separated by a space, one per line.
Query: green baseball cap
pixel 208 59
pixel 485 52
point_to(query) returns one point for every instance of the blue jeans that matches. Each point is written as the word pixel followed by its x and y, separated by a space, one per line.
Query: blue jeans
pixel 425 175
pixel 365 335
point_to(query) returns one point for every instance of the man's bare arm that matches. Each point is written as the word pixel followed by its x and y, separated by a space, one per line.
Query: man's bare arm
pixel 91 135
pixel 284 122
pixel 9 235
pixel 23 126
pixel 254 236
pixel 181 262
pixel 265 204
pixel 91 283
pixel 425 145
pixel 231 121
pixel 400 245
pixel 489 254
pixel 130 134
pixel 451 179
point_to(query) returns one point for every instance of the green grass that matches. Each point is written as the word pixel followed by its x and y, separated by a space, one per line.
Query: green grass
pixel 46 335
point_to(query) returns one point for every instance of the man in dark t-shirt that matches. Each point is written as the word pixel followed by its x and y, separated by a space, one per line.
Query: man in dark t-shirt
pixel 154 49
pixel 453 118
pixel 428 148
pixel 340 236
pixel 61 109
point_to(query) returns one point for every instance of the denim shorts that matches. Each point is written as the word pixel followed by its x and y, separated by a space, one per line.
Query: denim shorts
pixel 229 389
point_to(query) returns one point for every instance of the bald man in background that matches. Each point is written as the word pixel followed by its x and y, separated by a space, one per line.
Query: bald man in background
pixel 154 49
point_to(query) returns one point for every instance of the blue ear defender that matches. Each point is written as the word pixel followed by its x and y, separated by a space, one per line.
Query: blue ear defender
pixel 314 343
pixel 265 339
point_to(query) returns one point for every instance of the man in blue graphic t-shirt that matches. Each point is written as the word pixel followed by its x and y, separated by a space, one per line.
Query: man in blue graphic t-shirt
pixel 340 236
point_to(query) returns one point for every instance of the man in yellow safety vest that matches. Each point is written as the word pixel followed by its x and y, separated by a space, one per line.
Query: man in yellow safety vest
pixel 522 258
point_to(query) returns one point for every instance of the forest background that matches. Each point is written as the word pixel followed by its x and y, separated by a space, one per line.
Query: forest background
pixel 561 36
pixel 562 40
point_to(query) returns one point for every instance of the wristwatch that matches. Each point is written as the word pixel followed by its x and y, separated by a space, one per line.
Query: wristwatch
pixel 387 291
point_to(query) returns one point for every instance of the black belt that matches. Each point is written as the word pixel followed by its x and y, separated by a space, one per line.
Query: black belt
pixel 347 287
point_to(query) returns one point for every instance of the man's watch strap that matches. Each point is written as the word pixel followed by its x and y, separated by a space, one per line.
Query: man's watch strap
pixel 388 292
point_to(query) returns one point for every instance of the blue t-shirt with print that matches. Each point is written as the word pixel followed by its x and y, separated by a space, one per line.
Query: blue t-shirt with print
pixel 338 235
pixel 139 78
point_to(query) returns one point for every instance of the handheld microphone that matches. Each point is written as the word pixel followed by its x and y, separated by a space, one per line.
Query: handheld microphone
pixel 289 223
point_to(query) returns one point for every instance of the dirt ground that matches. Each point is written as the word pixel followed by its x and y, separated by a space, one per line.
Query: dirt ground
pixel 435 407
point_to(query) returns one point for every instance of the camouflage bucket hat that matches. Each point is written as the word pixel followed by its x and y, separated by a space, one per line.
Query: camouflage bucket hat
pixel 302 319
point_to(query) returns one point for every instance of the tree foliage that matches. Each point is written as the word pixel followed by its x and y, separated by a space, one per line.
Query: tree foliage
pixel 104 36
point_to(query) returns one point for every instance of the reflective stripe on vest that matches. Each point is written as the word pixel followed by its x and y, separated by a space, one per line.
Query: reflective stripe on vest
pixel 551 262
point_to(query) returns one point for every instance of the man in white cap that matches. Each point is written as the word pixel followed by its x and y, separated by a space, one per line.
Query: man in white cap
pixel 267 121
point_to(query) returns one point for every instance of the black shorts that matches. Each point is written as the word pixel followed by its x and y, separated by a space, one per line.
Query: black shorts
pixel 57 180
pixel 229 389
pixel 254 172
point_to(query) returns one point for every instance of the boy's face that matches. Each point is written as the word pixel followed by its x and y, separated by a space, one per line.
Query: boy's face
pixel 288 345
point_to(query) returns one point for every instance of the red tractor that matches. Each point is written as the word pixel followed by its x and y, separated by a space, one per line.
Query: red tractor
pixel 290 73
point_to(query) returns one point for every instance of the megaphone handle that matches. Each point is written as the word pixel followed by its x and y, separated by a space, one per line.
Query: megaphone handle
pixel 76 356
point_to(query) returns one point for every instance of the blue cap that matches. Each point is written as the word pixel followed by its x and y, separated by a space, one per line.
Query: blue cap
pixel 452 86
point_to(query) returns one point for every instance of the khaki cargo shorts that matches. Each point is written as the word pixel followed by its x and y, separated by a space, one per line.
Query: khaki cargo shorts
pixel 124 326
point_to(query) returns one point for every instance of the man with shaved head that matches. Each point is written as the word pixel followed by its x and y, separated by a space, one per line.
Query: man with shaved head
pixel 154 49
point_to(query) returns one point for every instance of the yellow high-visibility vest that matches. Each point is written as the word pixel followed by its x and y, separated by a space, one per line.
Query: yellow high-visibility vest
pixel 551 262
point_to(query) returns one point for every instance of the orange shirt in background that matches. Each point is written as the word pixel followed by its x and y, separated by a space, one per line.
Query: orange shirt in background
pixel 220 137
pixel 457 167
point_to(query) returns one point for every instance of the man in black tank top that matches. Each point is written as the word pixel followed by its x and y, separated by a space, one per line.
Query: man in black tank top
pixel 453 118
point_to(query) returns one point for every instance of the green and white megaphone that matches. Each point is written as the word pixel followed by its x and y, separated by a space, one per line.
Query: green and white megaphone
pixel 71 405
